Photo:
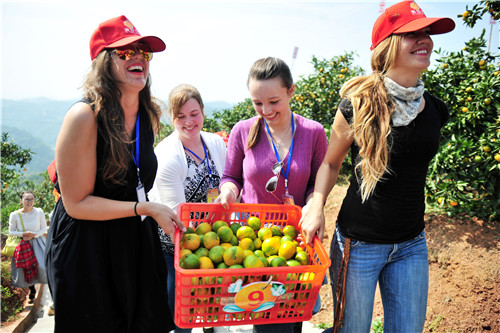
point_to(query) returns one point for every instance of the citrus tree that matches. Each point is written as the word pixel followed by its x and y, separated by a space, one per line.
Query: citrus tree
pixel 465 174
pixel 13 181
pixel 317 95
pixel 225 119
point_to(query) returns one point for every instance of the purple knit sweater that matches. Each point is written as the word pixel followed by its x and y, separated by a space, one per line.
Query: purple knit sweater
pixel 251 169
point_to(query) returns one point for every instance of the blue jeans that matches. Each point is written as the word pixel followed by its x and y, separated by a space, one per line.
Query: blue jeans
pixel 169 259
pixel 402 271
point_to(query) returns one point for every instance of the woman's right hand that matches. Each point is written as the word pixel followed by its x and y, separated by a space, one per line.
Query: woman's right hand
pixel 227 195
pixel 163 215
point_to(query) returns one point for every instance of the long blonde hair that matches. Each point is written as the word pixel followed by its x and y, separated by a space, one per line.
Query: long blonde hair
pixel 101 91
pixel 372 110
pixel 266 69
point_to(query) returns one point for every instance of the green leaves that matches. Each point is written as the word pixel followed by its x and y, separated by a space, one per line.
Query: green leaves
pixel 465 176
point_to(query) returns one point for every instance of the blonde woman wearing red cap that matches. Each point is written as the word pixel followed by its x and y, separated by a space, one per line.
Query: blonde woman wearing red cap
pixel 392 127
pixel 104 261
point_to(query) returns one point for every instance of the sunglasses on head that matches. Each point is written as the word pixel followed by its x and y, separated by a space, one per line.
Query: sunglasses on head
pixel 127 53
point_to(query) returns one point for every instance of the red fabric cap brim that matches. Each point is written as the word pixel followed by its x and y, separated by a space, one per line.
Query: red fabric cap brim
pixel 437 25
pixel 157 45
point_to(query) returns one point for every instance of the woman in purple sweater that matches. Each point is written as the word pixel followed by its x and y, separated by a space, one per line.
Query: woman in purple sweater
pixel 275 135
pixel 254 142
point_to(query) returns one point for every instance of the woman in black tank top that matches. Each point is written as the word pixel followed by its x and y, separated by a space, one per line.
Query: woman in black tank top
pixel 104 264
pixel 392 129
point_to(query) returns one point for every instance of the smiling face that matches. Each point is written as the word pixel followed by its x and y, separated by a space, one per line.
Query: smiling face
pixel 132 73
pixel 27 201
pixel 189 121
pixel 415 51
pixel 271 100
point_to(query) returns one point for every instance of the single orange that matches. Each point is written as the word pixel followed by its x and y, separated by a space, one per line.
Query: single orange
pixel 271 246
pixel 190 261
pixel 254 223
pixel 290 230
pixel 201 252
pixel 225 234
pixel 190 241
pixel 211 239
pixel 245 232
pixel 302 258
pixel 233 255
pixel 247 244
pixel 216 254
pixel 264 233
pixel 252 261
pixel 278 262
pixel 287 250
pixel 203 228
pixel 206 263
pixel 218 224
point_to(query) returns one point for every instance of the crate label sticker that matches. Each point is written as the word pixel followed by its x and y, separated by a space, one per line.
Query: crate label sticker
pixel 255 297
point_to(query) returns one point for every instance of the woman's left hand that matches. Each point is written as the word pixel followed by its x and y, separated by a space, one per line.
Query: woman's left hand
pixel 163 215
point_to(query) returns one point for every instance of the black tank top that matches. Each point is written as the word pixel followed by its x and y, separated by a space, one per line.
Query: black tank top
pixel 395 211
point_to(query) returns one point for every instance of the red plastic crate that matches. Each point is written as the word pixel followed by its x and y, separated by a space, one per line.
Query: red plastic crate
pixel 203 297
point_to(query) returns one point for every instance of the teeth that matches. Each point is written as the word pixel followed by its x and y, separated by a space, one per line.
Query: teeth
pixel 421 52
pixel 135 68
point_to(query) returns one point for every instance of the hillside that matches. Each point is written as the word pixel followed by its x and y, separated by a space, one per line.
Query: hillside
pixel 42 153
pixel 35 123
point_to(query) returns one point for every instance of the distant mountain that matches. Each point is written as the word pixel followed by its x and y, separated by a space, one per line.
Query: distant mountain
pixel 40 117
pixel 35 123
pixel 42 154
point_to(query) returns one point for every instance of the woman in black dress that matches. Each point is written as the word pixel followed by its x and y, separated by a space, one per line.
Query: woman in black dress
pixel 104 261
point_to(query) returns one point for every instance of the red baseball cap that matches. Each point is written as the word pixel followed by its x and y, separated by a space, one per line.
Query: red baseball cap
pixel 119 31
pixel 407 16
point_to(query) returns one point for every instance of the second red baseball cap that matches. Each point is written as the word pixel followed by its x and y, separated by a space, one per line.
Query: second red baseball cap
pixel 119 31
pixel 407 16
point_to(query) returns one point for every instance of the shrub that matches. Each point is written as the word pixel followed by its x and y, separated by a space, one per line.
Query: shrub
pixel 465 174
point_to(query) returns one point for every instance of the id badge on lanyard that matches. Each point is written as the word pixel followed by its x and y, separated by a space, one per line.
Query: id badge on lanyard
pixel 287 197
pixel 212 194
pixel 141 193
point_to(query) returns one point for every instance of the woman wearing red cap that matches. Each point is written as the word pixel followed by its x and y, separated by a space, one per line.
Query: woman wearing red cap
pixel 104 262
pixel 392 127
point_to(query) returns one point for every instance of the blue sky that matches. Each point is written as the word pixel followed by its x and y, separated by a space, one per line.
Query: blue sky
pixel 210 44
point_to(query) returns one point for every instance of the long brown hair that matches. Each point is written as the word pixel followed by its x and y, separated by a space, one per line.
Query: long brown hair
pixel 101 91
pixel 266 69
pixel 372 110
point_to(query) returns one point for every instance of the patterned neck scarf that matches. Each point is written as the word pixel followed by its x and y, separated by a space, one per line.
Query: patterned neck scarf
pixel 406 100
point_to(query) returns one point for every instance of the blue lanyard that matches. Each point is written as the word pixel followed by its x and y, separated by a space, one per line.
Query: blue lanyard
pixel 201 159
pixel 290 152
pixel 136 157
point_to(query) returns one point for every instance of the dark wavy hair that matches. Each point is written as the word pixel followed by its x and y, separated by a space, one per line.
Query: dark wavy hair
pixel 101 91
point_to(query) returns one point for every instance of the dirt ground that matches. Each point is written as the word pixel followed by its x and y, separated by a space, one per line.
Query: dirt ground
pixel 464 262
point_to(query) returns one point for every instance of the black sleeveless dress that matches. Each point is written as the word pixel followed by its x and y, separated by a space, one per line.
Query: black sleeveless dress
pixel 110 276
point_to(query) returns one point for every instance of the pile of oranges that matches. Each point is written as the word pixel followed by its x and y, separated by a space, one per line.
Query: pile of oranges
pixel 235 246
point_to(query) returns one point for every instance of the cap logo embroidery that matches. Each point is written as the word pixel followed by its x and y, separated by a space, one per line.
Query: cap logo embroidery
pixel 415 9
pixel 129 28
